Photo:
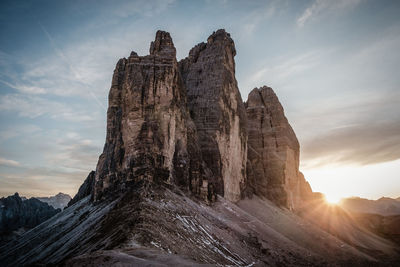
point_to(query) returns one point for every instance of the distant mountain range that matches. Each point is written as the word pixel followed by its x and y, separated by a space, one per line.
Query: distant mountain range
pixel 58 201
pixel 384 206
pixel 381 216
pixel 19 214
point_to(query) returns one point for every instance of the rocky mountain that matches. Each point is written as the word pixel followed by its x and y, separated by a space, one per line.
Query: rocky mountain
pixel 150 135
pixel 218 112
pixel 273 152
pixel 18 215
pixel 384 206
pixel 58 201
pixel 190 174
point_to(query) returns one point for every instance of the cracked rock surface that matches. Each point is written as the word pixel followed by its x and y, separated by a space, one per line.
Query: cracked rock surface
pixel 218 112
pixel 273 152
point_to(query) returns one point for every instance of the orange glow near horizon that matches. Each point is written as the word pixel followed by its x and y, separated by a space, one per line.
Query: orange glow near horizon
pixel 366 181
pixel 332 199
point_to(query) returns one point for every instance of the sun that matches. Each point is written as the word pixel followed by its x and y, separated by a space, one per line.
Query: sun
pixel 332 199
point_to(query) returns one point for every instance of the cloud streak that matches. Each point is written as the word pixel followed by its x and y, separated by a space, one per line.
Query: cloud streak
pixel 75 73
pixel 367 132
pixel 25 88
pixel 278 74
pixel 9 162
pixel 320 8
pixel 354 144
pixel 33 107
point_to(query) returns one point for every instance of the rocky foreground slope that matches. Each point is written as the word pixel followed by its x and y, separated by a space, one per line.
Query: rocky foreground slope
pixel 191 174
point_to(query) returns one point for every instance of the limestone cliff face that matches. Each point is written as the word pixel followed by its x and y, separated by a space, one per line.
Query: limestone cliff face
pixel 273 151
pixel 149 132
pixel 218 112
pixel 186 124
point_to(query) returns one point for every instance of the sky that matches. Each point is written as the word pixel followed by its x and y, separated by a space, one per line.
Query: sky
pixel 333 64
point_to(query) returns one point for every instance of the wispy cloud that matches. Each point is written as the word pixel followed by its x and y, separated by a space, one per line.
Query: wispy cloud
pixel 142 7
pixel 277 74
pixel 71 67
pixel 9 162
pixel 18 131
pixel 354 144
pixel 74 152
pixel 34 106
pixel 319 8
pixel 367 132
pixel 250 22
pixel 25 88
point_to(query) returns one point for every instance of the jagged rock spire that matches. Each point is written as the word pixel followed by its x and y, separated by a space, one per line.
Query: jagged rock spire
pixel 186 124
pixel 162 44
pixel 150 135
pixel 273 151
pixel 217 110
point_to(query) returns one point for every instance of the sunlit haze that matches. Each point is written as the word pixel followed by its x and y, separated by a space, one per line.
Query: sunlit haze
pixel 351 180
pixel 333 64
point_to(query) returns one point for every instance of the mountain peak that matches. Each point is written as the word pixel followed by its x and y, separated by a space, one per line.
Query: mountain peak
pixel 273 152
pixel 222 37
pixel 162 44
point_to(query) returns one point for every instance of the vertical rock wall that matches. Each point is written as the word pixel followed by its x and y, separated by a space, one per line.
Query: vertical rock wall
pixel 217 109
pixel 149 132
pixel 185 124
pixel 273 151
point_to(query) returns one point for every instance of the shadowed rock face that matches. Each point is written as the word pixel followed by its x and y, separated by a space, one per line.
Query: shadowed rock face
pixel 150 135
pixel 186 124
pixel 273 152
pixel 86 189
pixel 217 109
